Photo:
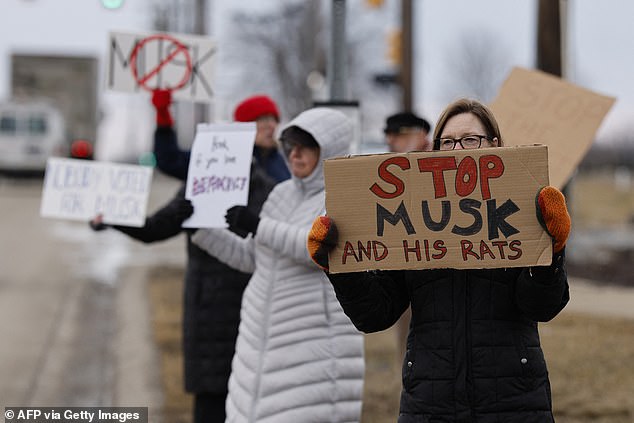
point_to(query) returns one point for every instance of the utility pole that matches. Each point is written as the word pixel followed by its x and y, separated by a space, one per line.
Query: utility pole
pixel 405 76
pixel 549 37
pixel 337 62
pixel 551 47
pixel 200 17
pixel 337 73
pixel 201 111
pixel 563 42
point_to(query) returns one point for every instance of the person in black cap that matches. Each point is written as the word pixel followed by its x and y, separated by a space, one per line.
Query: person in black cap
pixel 406 131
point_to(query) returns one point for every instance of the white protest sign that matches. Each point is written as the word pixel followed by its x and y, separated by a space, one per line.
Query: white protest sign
pixel 80 190
pixel 219 169
pixel 182 63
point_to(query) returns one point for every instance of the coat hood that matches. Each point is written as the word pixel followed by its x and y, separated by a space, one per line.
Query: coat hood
pixel 332 130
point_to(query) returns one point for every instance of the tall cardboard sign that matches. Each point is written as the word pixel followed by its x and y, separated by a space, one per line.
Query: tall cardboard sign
pixel 457 209
pixel 147 61
pixel 81 189
pixel 536 107
pixel 219 172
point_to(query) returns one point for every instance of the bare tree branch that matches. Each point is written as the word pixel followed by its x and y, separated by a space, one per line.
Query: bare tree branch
pixel 476 66
pixel 283 48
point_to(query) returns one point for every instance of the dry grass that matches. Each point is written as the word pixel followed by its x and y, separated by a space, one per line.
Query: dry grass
pixel 382 387
pixel 591 362
pixel 166 295
pixel 596 200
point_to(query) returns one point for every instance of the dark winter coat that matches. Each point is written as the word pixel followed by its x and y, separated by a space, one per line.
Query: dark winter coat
pixel 212 291
pixel 473 350
pixel 272 162
pixel 170 159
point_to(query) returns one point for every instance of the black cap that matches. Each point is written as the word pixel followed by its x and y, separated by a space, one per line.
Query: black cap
pixel 400 122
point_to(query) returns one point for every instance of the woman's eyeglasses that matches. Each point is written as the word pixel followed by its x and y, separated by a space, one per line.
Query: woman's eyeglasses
pixel 469 142
pixel 289 145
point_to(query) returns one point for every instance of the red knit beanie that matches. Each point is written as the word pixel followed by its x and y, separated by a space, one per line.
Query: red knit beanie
pixel 253 107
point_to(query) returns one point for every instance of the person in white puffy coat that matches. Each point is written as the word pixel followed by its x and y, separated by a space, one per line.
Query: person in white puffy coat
pixel 298 357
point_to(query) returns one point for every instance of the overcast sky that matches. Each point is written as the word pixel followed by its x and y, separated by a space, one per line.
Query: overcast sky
pixel 601 44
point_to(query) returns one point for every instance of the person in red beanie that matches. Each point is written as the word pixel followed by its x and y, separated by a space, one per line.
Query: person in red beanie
pixel 173 161
pixel 264 112
pixel 252 108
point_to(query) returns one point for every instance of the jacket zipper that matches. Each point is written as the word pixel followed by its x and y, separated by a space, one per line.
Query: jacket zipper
pixel 267 317
pixel 469 364
pixel 258 378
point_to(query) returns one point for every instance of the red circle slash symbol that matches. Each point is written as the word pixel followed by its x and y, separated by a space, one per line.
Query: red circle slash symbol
pixel 177 49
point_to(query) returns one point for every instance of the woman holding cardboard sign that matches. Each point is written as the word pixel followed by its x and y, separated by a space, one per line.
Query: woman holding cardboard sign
pixel 298 357
pixel 473 350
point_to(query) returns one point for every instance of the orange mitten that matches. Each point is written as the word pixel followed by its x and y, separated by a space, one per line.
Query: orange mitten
pixel 322 238
pixel 553 215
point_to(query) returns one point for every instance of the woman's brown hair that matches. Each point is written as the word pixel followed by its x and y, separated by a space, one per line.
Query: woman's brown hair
pixel 466 105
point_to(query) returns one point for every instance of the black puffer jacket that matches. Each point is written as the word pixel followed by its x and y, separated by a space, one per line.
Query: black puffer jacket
pixel 473 350
pixel 212 294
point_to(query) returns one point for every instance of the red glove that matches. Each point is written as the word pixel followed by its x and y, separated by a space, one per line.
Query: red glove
pixel 553 216
pixel 322 239
pixel 161 99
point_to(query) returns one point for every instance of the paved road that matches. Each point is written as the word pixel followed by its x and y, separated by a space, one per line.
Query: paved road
pixel 74 318
pixel 607 301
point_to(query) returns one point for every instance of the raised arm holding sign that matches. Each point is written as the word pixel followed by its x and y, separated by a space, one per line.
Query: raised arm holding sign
pixel 473 348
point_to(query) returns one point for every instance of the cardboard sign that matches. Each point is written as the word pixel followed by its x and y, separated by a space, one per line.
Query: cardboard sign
pixel 536 107
pixel 80 190
pixel 219 172
pixel 182 63
pixel 442 209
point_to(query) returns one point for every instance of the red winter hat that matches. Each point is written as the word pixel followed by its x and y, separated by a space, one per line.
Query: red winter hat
pixel 253 107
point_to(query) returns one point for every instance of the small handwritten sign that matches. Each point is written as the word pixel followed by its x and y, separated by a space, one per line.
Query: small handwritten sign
pixel 80 190
pixel 219 169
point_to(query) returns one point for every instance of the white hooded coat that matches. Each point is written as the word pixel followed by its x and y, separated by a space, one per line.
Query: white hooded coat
pixel 298 357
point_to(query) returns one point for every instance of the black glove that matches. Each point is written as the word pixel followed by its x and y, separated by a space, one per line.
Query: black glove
pixel 182 209
pixel 242 218
pixel 96 224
